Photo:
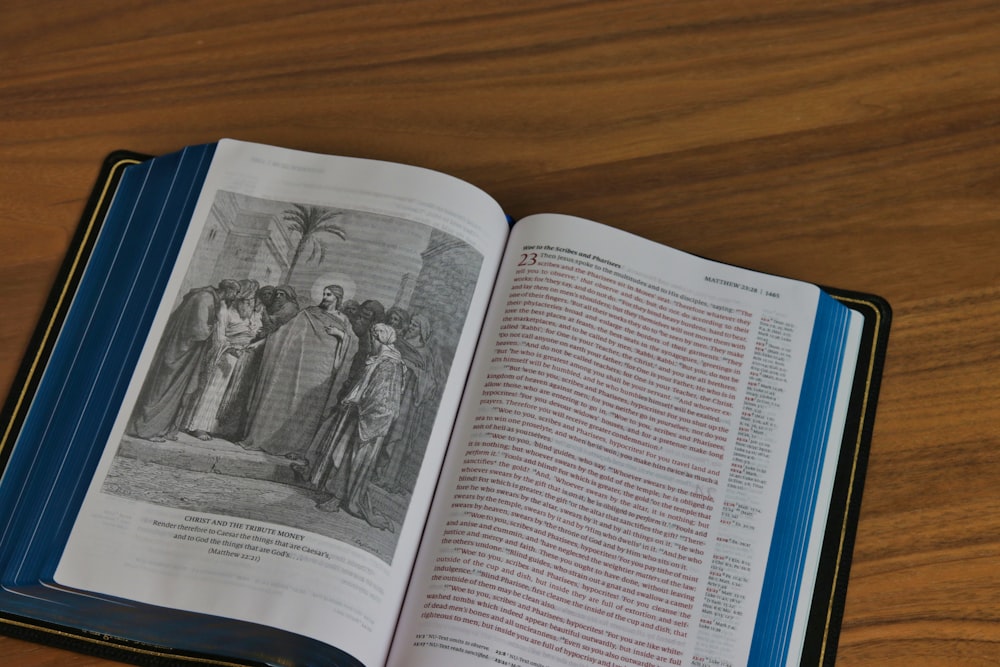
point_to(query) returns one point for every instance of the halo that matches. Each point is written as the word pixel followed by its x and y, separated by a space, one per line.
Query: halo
pixel 333 278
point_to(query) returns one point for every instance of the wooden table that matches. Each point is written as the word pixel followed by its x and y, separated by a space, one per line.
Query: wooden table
pixel 849 143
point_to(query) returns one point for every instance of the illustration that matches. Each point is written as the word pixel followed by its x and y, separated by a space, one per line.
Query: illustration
pixel 300 370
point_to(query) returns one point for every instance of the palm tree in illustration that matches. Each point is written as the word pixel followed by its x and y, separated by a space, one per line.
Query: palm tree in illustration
pixel 311 223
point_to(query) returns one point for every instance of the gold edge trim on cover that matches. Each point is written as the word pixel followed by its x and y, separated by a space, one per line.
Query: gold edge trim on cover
pixel 119 646
pixel 62 297
pixel 854 466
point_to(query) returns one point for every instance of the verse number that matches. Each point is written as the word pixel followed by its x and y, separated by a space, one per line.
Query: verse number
pixel 528 259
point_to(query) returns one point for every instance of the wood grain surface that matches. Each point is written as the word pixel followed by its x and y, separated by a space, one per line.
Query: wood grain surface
pixel 850 143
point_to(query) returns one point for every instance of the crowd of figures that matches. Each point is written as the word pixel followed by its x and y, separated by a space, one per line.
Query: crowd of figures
pixel 342 389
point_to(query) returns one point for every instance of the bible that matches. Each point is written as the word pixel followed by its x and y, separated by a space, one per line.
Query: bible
pixel 294 409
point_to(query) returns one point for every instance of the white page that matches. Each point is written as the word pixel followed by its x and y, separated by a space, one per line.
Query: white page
pixel 258 550
pixel 595 451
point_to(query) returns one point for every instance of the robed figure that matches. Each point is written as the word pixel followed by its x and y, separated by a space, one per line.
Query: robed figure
pixel 182 363
pixel 302 363
pixel 236 326
pixel 275 305
pixel 422 387
pixel 352 440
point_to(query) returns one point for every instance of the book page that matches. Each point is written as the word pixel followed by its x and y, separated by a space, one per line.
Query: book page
pixel 615 475
pixel 280 441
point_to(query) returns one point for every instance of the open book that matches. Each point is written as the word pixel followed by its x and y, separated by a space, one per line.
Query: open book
pixel 294 409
